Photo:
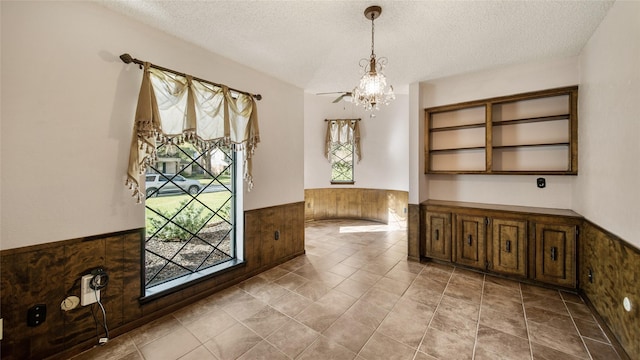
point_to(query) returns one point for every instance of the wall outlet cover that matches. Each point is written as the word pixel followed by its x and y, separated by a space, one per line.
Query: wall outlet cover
pixel 88 295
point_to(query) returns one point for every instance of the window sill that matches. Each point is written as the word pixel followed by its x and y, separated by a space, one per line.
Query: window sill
pixel 172 286
pixel 343 183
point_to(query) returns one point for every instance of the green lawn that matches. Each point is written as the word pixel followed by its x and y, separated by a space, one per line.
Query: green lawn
pixel 170 203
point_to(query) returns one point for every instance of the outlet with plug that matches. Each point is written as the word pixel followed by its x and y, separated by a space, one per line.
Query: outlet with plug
pixel 88 295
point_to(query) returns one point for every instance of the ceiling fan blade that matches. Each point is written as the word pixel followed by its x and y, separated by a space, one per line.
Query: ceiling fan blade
pixel 339 98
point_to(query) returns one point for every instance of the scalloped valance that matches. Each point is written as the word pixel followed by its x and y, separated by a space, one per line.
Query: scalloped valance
pixel 178 108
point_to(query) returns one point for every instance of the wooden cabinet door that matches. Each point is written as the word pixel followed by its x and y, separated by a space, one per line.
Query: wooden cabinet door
pixel 470 243
pixel 438 235
pixel 508 247
pixel 555 254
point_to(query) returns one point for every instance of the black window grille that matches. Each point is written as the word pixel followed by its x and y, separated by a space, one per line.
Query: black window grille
pixel 341 163
pixel 190 206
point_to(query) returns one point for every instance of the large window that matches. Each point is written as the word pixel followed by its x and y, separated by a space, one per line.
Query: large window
pixel 342 145
pixel 190 207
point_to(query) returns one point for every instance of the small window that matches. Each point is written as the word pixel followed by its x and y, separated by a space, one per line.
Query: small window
pixel 342 163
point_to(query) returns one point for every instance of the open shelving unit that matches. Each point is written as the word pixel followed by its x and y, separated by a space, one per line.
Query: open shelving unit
pixel 529 133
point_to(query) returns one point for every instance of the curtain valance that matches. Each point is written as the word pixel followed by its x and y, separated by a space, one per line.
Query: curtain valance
pixel 177 108
pixel 342 131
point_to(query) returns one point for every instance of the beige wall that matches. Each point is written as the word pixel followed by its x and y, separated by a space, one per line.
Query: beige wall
pixel 607 191
pixel 385 149
pixel 67 115
pixel 496 189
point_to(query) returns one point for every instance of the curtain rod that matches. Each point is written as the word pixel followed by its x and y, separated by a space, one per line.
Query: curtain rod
pixel 341 119
pixel 127 59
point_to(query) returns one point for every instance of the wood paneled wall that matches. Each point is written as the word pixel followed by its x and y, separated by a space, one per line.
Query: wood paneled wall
pixel 413 236
pixel 615 269
pixel 356 203
pixel 47 273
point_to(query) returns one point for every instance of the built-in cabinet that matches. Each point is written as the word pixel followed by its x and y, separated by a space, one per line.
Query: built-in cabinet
pixel 529 243
pixel 529 133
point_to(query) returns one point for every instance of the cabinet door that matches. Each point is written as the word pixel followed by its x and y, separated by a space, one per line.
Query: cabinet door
pixel 508 246
pixel 438 239
pixel 555 254
pixel 470 241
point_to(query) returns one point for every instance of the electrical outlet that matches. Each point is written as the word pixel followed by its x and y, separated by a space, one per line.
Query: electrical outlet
pixel 88 295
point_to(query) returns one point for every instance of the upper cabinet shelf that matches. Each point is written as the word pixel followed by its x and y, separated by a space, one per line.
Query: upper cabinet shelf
pixel 530 133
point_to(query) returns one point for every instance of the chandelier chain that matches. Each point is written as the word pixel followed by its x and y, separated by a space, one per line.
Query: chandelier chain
pixel 373 54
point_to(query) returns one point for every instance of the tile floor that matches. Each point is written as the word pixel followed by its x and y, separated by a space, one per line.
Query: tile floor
pixel 355 296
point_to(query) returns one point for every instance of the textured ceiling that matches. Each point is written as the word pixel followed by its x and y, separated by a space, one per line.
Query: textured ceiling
pixel 317 45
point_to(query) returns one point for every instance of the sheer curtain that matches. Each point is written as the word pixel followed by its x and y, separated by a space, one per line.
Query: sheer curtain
pixel 342 131
pixel 179 108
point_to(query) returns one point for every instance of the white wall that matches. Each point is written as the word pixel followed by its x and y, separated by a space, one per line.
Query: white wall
pixel 607 191
pixel 67 113
pixel 383 139
pixel 498 189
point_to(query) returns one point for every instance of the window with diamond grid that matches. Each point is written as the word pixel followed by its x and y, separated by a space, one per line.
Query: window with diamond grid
pixel 341 163
pixel 190 206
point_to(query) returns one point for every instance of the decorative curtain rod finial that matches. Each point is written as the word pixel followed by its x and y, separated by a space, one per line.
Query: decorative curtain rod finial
pixel 126 58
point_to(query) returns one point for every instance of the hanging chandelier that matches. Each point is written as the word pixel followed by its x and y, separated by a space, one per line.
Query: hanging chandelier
pixel 373 90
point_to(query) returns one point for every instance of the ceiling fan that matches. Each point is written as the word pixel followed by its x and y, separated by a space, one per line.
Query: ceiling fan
pixel 344 95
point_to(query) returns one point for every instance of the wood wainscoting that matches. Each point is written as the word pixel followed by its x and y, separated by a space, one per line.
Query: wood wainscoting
pixel 48 273
pixel 354 203
pixel 609 271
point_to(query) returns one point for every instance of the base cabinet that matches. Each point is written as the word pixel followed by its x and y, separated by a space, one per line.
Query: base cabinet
pixel 470 241
pixel 555 254
pixel 508 247
pixel 438 240
pixel 522 242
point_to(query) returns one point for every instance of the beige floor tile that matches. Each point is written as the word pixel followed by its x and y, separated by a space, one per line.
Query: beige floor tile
pixel 324 348
pixel 343 270
pixel 509 323
pixel 293 337
pixel 367 313
pixel 475 275
pixel 318 317
pixel 381 347
pixel 443 345
pixel 353 288
pixel 541 302
pixel 591 330
pixel 365 277
pixel 425 282
pixel 540 291
pixel 502 304
pixel 489 279
pixel 498 342
pixel 291 303
pixel 403 327
pixel 601 351
pixel 511 293
pixel 541 352
pixel 381 298
pixel 561 340
pixel 423 295
pixel 263 351
pixel 269 293
pixel 200 353
pixel 571 297
pixel 453 307
pixel 459 326
pixel 290 281
pixel 462 292
pixel 274 273
pixel 244 306
pixel 349 333
pixel 423 356
pixel 550 318
pixel 155 329
pixel 121 347
pixel 265 321
pixel 211 324
pixel 580 311
pixel 394 286
pixel 171 346
pixel 313 290
pixel 233 342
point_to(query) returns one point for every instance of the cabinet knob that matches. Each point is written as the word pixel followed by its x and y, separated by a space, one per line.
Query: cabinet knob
pixel 469 238
pixel 508 246
pixel 554 251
